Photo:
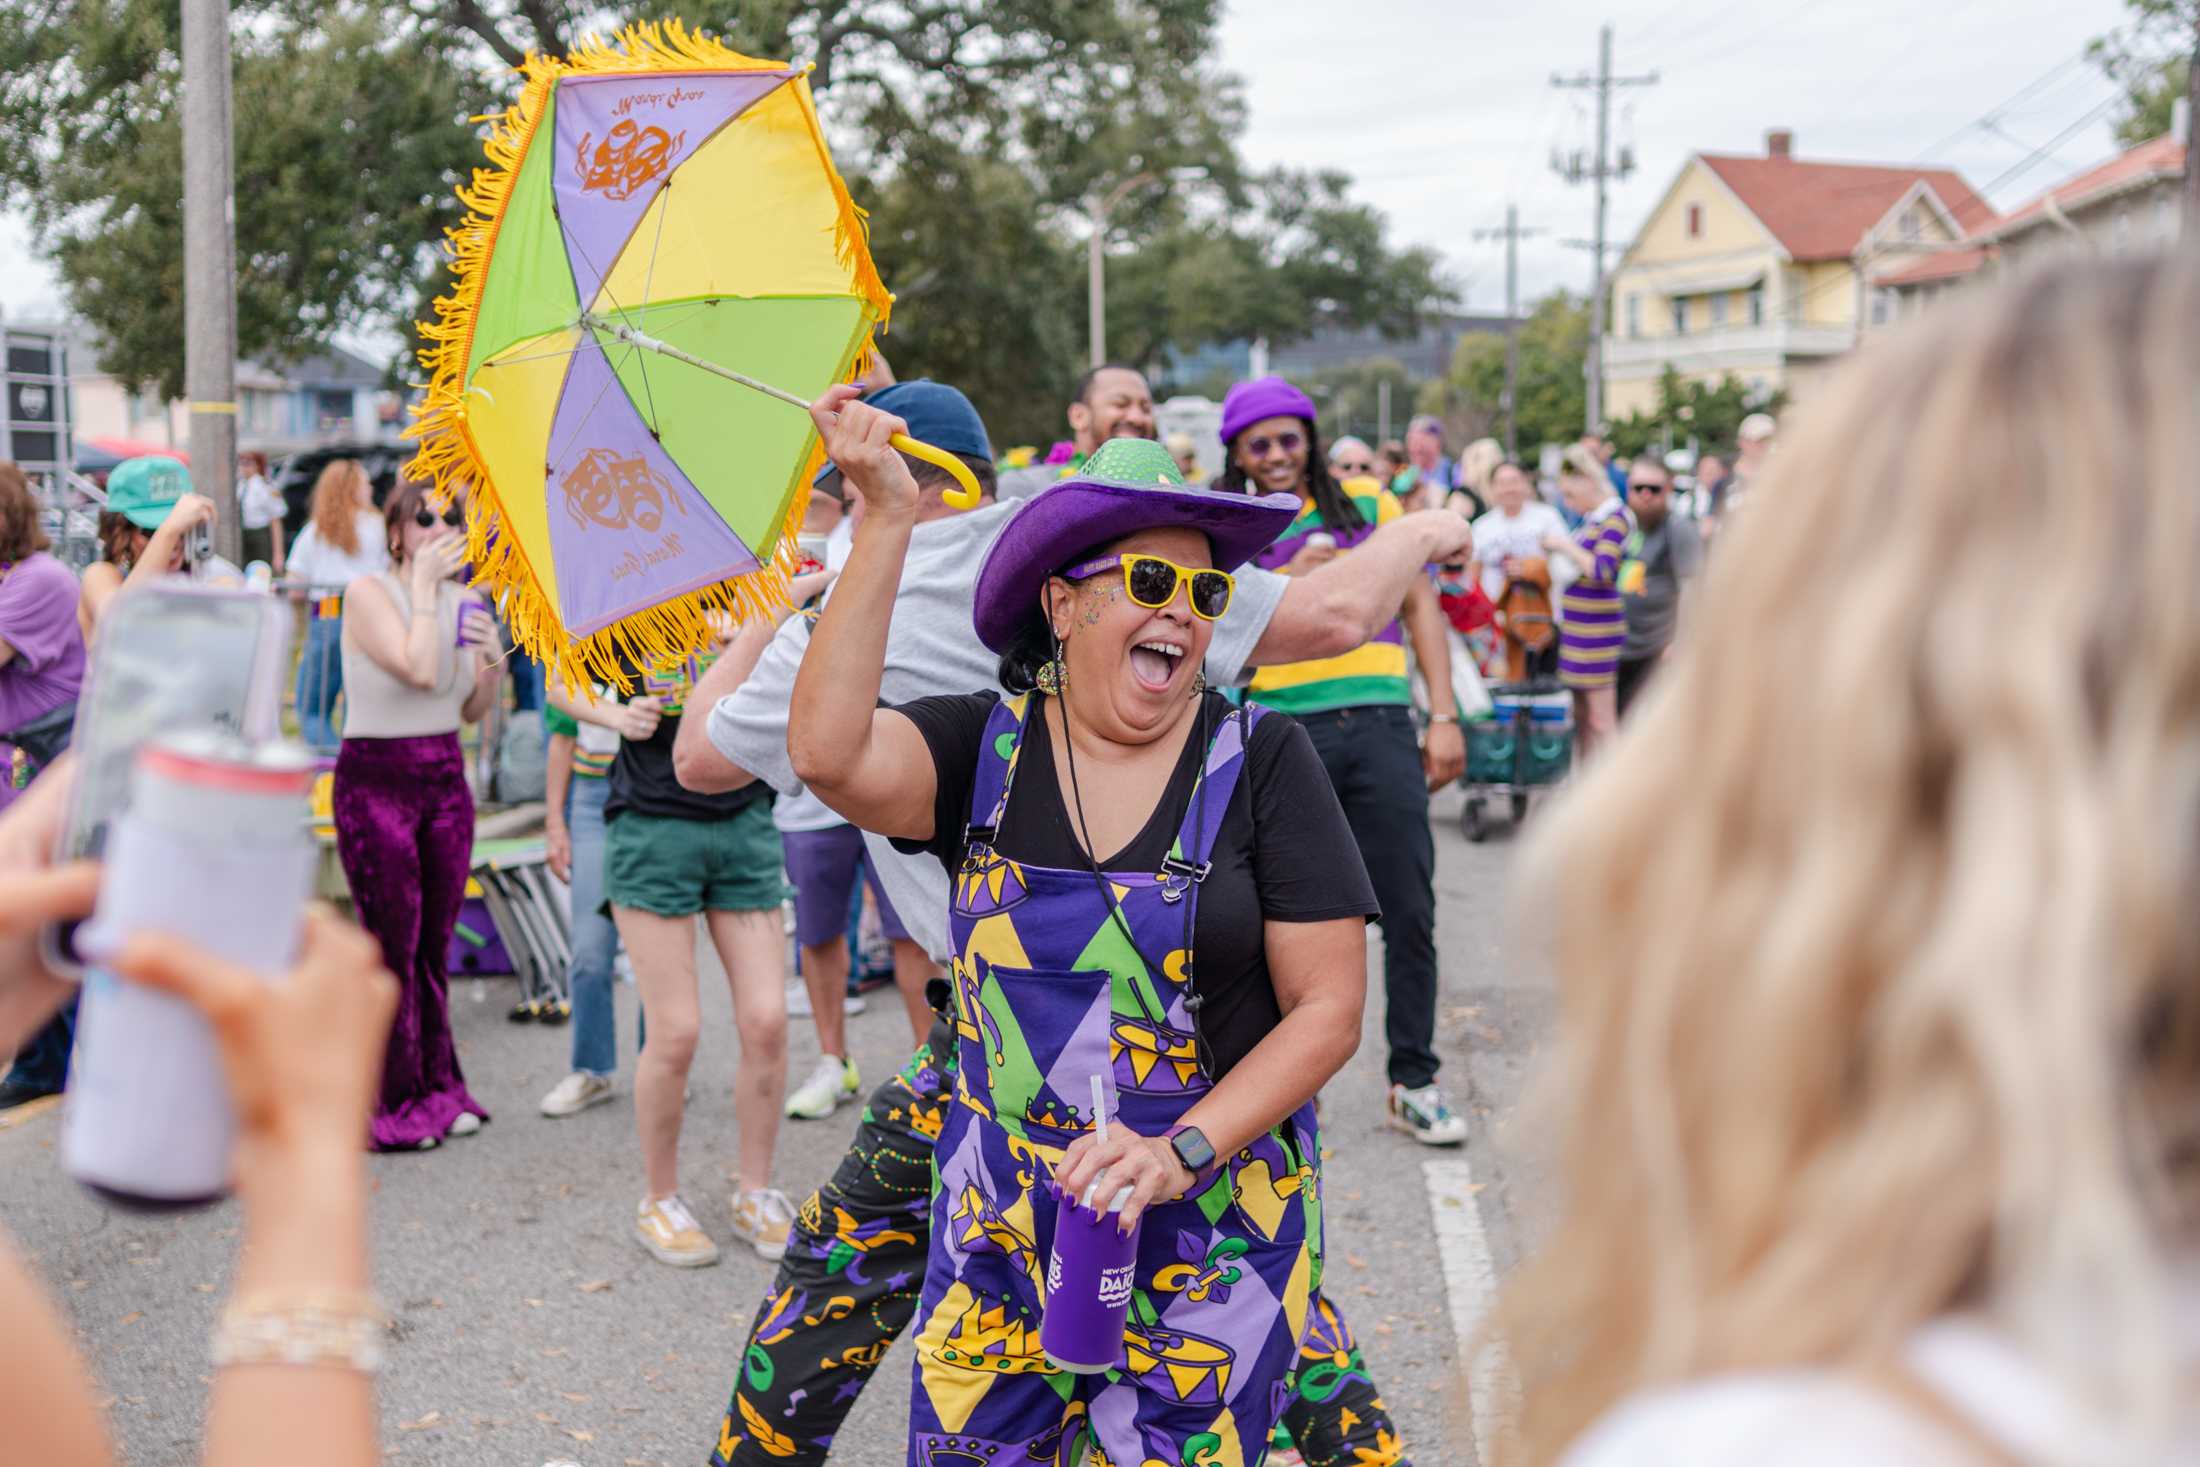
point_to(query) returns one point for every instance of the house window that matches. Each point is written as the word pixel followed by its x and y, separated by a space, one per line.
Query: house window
pixel 1913 226
pixel 1680 315
pixel 2119 237
pixel 1719 303
pixel 332 411
pixel 1883 307
pixel 1756 298
pixel 1634 314
pixel 1695 221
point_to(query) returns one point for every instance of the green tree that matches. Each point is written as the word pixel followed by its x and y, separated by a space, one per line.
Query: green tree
pixel 2151 59
pixel 1351 397
pixel 1551 397
pixel 1709 413
pixel 974 129
pixel 345 134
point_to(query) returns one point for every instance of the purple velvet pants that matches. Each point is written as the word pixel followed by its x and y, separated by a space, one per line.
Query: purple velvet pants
pixel 405 831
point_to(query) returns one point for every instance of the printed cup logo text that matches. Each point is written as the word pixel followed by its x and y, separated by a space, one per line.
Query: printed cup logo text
pixel 1054 1272
pixel 1115 1286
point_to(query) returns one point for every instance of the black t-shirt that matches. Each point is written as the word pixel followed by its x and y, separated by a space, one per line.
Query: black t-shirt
pixel 641 776
pixel 1284 852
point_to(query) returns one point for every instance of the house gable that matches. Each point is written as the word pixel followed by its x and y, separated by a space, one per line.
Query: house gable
pixel 1726 226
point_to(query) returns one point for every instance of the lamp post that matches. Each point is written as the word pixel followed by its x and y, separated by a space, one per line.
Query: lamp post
pixel 1099 206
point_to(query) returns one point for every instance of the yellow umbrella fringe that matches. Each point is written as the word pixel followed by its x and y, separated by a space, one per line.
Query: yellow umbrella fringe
pixel 446 457
pixel 852 230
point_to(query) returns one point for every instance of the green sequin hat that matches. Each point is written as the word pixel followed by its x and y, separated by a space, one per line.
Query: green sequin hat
pixel 1128 485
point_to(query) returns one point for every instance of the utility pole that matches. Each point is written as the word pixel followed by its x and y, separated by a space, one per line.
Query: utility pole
pixel 210 268
pixel 1512 234
pixel 1574 170
pixel 2192 136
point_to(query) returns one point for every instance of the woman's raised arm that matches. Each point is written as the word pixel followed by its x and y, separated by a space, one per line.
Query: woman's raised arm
pixel 867 763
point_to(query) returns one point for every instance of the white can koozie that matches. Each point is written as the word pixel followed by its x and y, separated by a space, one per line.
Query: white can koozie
pixel 215 849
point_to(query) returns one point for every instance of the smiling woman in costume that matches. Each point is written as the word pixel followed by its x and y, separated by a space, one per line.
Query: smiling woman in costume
pixel 1151 886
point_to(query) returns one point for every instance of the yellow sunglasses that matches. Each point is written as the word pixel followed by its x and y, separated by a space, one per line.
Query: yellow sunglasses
pixel 1151 582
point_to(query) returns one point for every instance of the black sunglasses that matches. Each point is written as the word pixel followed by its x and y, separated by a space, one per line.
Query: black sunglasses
pixel 1646 488
pixel 1288 442
pixel 426 517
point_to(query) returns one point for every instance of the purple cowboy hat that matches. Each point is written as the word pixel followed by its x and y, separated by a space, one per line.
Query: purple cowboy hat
pixel 1128 485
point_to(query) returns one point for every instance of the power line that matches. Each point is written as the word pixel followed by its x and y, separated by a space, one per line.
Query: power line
pixel 1576 170
pixel 1512 234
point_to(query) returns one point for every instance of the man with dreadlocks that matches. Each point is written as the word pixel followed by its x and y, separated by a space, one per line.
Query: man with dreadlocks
pixel 851 1277
pixel 1358 707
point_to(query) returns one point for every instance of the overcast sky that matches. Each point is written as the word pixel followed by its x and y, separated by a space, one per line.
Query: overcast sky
pixel 1443 112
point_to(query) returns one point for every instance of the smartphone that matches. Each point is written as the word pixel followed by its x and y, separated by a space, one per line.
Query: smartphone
pixel 198 548
pixel 167 658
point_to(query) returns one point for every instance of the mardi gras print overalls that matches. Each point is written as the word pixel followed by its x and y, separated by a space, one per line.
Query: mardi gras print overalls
pixel 1048 993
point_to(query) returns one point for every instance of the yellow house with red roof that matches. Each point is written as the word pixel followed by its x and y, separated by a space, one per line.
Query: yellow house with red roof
pixel 2134 201
pixel 1758 267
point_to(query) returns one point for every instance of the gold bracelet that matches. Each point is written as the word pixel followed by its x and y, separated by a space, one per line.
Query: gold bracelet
pixel 342 1330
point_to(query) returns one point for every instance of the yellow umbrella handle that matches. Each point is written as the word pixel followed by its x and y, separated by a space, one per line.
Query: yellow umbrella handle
pixel 964 498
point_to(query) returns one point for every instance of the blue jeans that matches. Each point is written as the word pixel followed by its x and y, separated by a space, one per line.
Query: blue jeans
pixel 526 678
pixel 595 939
pixel 320 680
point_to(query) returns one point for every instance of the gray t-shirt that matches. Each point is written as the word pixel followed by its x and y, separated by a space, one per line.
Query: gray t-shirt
pixel 932 649
pixel 1650 577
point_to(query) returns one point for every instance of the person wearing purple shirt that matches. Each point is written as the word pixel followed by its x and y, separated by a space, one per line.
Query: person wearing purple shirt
pixel 41 669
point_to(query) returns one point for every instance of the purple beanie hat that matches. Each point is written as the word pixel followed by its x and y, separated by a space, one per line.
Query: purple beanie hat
pixel 1263 397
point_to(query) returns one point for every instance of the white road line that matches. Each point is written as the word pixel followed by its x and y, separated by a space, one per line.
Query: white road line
pixel 1470 1279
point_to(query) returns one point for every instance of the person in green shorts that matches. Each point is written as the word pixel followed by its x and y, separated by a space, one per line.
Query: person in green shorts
pixel 671 855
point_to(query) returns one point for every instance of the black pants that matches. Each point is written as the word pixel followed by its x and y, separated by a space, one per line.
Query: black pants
pixel 1633 677
pixel 1374 761
pixel 855 1266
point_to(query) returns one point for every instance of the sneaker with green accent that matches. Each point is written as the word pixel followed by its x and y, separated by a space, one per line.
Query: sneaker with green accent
pixel 831 1083
pixel 1426 1116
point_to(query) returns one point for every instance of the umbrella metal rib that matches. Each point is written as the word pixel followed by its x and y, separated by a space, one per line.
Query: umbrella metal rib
pixel 965 497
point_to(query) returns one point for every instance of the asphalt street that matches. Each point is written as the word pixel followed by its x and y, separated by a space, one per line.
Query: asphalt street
pixel 532 1329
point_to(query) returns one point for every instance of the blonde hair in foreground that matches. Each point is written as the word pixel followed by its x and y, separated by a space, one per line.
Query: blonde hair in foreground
pixel 1886 999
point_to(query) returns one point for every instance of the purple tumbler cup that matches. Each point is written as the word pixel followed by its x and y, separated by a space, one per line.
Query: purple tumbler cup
pixel 1089 1280
pixel 467 600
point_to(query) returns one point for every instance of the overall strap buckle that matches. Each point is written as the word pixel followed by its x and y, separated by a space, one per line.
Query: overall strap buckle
pixel 1179 876
pixel 977 843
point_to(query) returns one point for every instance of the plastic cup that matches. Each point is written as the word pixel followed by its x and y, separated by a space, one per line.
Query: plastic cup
pixel 467 600
pixel 1089 1280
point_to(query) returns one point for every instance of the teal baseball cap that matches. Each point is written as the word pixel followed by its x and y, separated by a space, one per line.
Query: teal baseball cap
pixel 143 490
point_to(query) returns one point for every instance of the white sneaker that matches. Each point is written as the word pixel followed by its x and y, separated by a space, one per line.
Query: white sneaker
pixel 762 1219
pixel 1426 1116
pixel 672 1235
pixel 466 1124
pixel 832 1082
pixel 576 1093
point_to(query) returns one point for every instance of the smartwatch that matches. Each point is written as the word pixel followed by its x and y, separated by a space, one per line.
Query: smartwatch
pixel 1194 1151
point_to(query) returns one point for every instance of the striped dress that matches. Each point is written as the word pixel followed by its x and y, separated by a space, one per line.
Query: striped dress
pixel 1594 622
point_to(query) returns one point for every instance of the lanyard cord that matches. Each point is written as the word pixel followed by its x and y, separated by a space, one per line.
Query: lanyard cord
pixel 1154 971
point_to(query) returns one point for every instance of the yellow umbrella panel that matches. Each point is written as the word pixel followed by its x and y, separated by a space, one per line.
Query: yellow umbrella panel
pixel 666 216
